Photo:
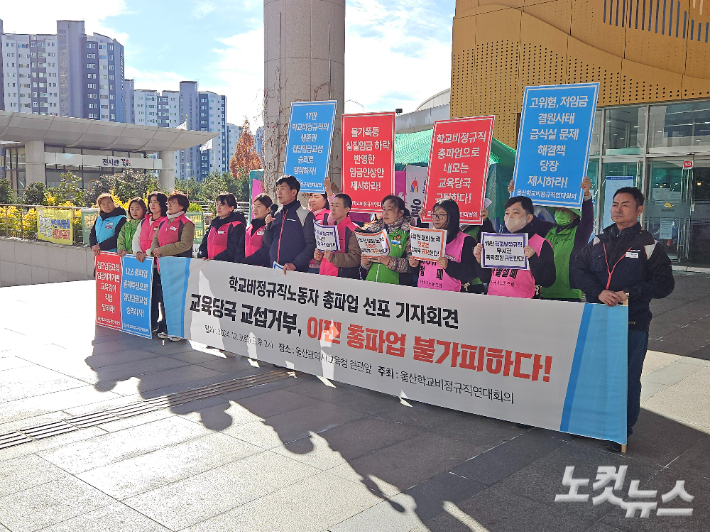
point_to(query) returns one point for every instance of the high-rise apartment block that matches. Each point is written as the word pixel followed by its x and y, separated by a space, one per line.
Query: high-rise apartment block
pixel 64 74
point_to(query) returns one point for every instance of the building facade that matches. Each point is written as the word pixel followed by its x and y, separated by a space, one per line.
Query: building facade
pixel 652 61
pixel 64 74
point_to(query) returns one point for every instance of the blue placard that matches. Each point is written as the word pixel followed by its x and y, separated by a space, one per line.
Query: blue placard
pixel 136 283
pixel 310 135
pixel 553 144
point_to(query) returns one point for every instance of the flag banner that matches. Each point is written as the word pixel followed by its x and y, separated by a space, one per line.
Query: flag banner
pixel 55 225
pixel 123 293
pixel 553 143
pixel 504 251
pixel 427 244
pixel 374 244
pixel 414 196
pixel 557 365
pixel 206 146
pixel 136 287
pixel 198 218
pixel 310 136
pixel 458 165
pixel 368 159
pixel 183 125
pixel 326 237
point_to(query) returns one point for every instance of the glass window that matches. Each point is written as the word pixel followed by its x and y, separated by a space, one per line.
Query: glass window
pixel 624 131
pixel 679 125
pixel 596 132
pixel 622 169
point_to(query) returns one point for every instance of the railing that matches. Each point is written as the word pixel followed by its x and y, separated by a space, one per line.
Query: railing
pixel 20 221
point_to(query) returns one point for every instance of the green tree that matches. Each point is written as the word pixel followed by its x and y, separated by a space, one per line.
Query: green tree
pixel 35 194
pixel 7 195
pixel 134 183
pixel 191 187
pixel 213 185
pixel 104 184
pixel 68 191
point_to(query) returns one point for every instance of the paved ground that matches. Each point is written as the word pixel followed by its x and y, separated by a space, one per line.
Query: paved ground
pixel 299 454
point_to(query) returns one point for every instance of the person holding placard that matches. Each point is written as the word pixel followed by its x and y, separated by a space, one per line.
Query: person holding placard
pixel 137 210
pixel 224 240
pixel 391 268
pixel 290 240
pixel 254 237
pixel 475 285
pixel 541 259
pixel 625 265
pixel 346 262
pixel 458 264
pixel 570 233
pixel 320 207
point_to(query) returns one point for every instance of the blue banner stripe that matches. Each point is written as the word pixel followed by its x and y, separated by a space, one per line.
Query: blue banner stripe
pixel 174 274
pixel 576 365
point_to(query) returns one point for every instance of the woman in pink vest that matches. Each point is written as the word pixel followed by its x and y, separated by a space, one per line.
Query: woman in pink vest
pixel 225 238
pixel 142 240
pixel 458 265
pixel 254 237
pixel 319 206
pixel 346 262
pixel 173 239
pixel 519 214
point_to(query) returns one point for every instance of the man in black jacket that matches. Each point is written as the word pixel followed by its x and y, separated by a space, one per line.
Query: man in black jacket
pixel 624 263
pixel 290 238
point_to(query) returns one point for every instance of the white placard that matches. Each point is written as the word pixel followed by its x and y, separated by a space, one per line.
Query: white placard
pixel 427 244
pixel 504 250
pixel 374 244
pixel 326 237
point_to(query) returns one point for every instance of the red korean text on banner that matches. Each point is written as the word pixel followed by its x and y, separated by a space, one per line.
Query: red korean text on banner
pixel 368 159
pixel 108 290
pixel 458 165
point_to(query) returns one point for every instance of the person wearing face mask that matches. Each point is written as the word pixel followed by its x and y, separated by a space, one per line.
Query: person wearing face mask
pixel 346 262
pixel 395 221
pixel 570 233
pixel 457 265
pixel 475 285
pixel 541 259
pixel 320 207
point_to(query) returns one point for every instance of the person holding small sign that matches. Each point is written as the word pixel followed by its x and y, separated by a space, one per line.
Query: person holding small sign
pixel 320 207
pixel 346 262
pixel 541 259
pixel 395 222
pixel 224 240
pixel 458 264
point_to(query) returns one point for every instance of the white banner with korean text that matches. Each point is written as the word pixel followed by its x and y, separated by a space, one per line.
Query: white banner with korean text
pixel 557 365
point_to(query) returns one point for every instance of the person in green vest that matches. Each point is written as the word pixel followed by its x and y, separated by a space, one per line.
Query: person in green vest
pixel 475 286
pixel 571 232
pixel 137 210
pixel 394 268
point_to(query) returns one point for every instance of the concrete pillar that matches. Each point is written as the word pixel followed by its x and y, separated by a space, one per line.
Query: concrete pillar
pixel 34 162
pixel 167 174
pixel 304 56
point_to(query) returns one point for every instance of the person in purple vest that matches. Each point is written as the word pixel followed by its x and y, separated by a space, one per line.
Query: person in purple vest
pixel 458 265
pixel 519 216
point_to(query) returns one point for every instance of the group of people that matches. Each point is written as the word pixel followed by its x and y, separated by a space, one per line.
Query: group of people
pixel 622 265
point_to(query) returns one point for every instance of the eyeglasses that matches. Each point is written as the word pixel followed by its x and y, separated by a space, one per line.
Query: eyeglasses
pixel 439 216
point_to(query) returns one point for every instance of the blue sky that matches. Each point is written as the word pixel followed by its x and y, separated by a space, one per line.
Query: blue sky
pixel 398 53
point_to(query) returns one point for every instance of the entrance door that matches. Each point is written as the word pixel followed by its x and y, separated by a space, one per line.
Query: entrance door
pixel 699 238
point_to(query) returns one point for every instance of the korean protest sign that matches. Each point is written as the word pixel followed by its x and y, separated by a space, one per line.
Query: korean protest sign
pixel 55 225
pixel 414 196
pixel 310 135
pixel 108 290
pixel 504 250
pixel 546 371
pixel 88 219
pixel 427 244
pixel 136 284
pixel 553 143
pixel 368 159
pixel 458 165
pixel 326 237
pixel 123 293
pixel 198 218
pixel 374 244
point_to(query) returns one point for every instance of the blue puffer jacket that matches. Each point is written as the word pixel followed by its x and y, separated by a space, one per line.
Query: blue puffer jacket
pixel 106 229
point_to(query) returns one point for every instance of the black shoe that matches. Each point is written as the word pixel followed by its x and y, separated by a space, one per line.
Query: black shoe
pixel 613 446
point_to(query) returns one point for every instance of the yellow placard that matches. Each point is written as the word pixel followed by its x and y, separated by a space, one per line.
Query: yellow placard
pixel 55 225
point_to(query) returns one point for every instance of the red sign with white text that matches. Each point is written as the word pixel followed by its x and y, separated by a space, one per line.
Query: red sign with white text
pixel 458 165
pixel 368 159
pixel 108 290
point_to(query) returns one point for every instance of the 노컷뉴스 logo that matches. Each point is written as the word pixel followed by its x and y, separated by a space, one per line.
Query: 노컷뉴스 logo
pixel 610 480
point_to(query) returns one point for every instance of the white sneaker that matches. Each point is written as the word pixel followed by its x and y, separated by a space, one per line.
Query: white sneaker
pixel 174 338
